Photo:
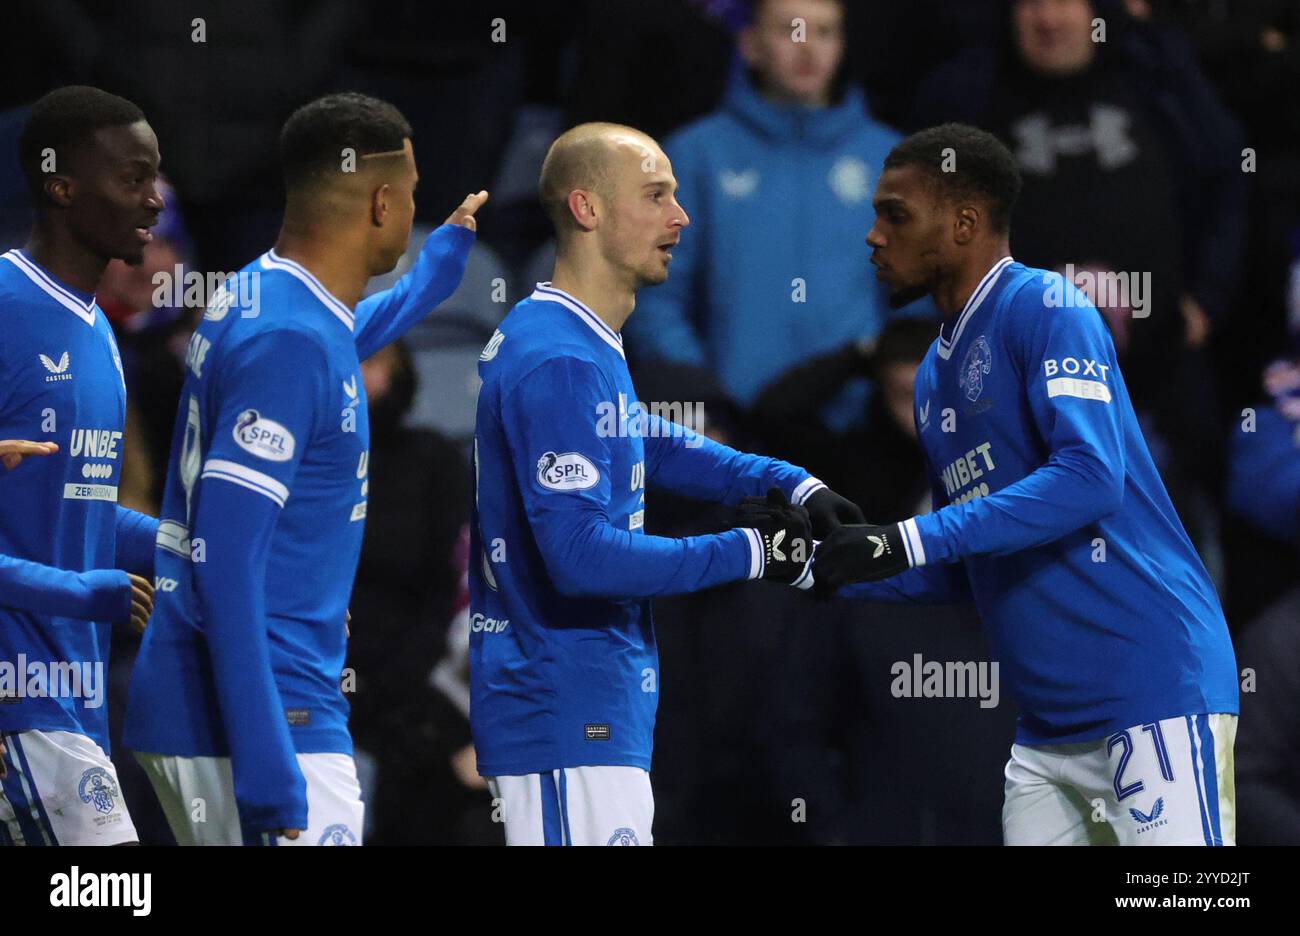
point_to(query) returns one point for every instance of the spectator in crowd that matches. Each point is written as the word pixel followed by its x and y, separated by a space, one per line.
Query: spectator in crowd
pixel 1268 739
pixel 404 598
pixel 1251 51
pixel 871 761
pixel 778 184
pixel 878 465
pixel 217 83
pixel 1263 528
pixel 617 43
pixel 1131 165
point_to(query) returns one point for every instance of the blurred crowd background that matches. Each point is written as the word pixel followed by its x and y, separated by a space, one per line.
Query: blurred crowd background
pixel 1170 148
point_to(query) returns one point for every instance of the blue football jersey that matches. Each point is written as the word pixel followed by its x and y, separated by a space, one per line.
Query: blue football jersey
pixel 274 404
pixel 61 381
pixel 1057 523
pixel 564 670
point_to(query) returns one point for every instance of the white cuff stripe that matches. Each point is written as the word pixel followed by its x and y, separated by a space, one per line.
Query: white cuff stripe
pixel 912 542
pixel 174 537
pixel 248 477
pixel 907 547
pixel 806 489
pixel 755 553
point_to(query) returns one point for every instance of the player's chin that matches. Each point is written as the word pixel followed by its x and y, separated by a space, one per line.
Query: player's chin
pixel 386 264
pixel 653 274
pixel 131 256
pixel 901 294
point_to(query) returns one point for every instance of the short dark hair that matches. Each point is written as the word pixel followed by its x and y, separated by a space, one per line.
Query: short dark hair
pixel 65 118
pixel 981 166
pixel 315 135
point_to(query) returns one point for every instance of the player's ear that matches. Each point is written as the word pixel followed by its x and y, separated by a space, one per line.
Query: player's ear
pixel 747 45
pixel 968 217
pixel 58 189
pixel 582 206
pixel 379 205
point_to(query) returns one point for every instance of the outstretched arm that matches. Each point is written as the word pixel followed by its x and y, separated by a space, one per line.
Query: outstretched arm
pixel 388 315
pixel 562 465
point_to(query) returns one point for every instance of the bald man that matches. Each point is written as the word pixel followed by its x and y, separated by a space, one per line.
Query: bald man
pixel 235 709
pixel 564 672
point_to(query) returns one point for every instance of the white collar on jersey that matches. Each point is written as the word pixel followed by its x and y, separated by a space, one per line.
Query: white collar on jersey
pixel 976 299
pixel 273 261
pixel 59 293
pixel 548 293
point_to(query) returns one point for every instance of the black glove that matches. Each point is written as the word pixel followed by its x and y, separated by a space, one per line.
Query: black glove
pixel 859 553
pixel 827 510
pixel 786 534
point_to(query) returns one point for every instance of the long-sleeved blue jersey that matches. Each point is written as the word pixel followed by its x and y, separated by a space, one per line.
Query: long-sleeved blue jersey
pixel 564 671
pixel 1058 525
pixel 62 534
pixel 262 522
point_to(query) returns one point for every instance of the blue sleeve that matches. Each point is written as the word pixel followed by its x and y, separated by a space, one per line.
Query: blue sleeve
pixel 136 533
pixel 683 461
pixel 1078 422
pixel 97 595
pixel 1264 475
pixel 939 584
pixel 246 477
pixel 386 316
pixel 663 325
pixel 552 411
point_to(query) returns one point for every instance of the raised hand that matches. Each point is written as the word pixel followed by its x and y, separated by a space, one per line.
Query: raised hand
pixel 464 214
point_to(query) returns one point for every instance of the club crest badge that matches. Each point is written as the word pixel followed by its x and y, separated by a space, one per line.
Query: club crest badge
pixel 99 789
pixel 974 368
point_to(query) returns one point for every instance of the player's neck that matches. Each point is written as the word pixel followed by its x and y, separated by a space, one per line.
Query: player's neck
pixel 598 287
pixel 68 261
pixel 339 266
pixel 955 291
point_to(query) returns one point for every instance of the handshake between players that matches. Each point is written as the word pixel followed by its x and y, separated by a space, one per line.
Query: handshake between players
pixel 823 552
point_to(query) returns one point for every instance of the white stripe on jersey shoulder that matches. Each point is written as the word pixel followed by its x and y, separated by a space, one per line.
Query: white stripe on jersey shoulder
pixel 976 299
pixel 548 293
pixel 273 261
pixel 60 295
pixel 245 477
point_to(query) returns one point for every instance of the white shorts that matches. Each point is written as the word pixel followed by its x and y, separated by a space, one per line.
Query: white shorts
pixel 1162 783
pixel 198 797
pixel 576 806
pixel 61 790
